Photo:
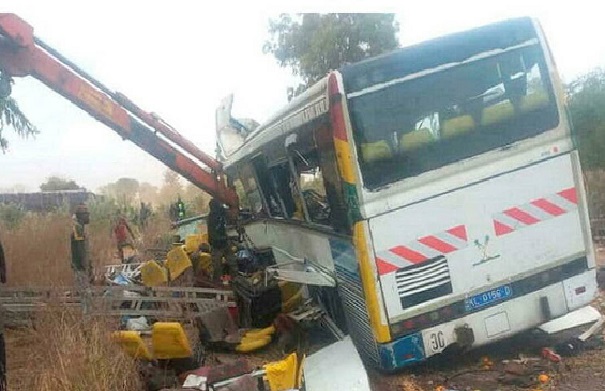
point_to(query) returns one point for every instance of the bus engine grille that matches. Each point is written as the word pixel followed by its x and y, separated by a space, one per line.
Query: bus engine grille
pixel 425 281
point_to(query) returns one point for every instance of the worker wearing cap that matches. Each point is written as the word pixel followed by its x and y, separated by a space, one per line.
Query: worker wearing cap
pixel 80 261
pixel 2 347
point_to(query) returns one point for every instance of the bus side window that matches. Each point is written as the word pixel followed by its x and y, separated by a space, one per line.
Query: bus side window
pixel 287 190
pixel 246 185
pixel 267 187
pixel 241 194
pixel 309 176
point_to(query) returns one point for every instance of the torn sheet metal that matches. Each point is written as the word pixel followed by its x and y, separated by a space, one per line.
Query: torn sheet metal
pixel 579 317
pixel 345 370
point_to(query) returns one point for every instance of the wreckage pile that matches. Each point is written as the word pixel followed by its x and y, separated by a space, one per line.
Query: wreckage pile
pixel 253 313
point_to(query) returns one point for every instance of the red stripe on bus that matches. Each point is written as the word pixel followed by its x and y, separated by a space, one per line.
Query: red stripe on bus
pixel 459 232
pixel 570 195
pixel 409 254
pixel 501 229
pixel 338 124
pixel 437 244
pixel 521 216
pixel 548 207
pixel 336 111
pixel 384 267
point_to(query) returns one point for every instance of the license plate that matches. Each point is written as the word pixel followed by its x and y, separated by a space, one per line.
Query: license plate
pixel 486 298
pixel 437 338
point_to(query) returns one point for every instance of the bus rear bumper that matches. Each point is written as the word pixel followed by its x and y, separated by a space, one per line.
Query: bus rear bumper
pixel 494 323
pixel 402 352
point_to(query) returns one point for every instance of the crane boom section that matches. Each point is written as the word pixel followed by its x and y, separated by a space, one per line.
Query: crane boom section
pixel 21 54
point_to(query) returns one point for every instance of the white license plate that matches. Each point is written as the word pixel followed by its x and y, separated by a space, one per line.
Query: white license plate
pixel 436 339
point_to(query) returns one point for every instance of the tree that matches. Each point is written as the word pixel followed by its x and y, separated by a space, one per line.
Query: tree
pixel 127 189
pixel 314 44
pixel 586 97
pixel 171 189
pixel 56 183
pixel 148 193
pixel 124 191
pixel 196 199
pixel 11 115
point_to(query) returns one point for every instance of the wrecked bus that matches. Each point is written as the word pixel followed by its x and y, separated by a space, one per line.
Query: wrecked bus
pixel 439 185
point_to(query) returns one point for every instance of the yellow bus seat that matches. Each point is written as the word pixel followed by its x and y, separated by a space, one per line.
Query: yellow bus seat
pixel 252 343
pixel 378 150
pixel 153 274
pixel 283 375
pixel 291 295
pixel 456 126
pixel 170 341
pixel 205 263
pixel 204 238
pixel 499 112
pixel 534 101
pixel 132 343
pixel 415 139
pixel 192 243
pixel 177 262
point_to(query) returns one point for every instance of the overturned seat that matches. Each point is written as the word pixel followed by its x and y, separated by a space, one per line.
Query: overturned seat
pixel 170 341
pixel 132 343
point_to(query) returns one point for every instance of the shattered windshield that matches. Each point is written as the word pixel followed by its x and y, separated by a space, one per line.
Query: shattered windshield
pixel 433 118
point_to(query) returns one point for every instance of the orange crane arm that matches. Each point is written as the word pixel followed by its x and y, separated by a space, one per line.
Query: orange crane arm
pixel 22 54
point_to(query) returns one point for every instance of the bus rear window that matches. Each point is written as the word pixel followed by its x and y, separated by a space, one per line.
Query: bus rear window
pixel 451 113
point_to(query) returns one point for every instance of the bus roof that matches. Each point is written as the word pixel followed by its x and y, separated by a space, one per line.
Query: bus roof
pixel 302 109
pixel 448 49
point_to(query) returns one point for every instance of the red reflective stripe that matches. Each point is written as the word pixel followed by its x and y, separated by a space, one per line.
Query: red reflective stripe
pixel 521 216
pixel 459 232
pixel 408 254
pixel 570 195
pixel 437 244
pixel 548 207
pixel 501 229
pixel 384 267
pixel 338 124
pixel 336 111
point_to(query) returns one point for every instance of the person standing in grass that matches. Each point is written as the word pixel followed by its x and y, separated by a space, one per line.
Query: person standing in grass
pixel 122 231
pixel 80 261
pixel 2 346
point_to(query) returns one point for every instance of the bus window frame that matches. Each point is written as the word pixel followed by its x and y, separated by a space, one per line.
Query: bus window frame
pixel 284 150
pixel 441 170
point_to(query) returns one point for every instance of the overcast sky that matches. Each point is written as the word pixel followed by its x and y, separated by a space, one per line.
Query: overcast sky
pixel 179 59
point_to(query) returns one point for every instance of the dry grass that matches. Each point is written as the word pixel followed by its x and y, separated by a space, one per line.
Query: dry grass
pixel 38 251
pixel 65 353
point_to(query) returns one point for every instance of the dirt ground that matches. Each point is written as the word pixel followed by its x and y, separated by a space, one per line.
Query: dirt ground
pixel 585 372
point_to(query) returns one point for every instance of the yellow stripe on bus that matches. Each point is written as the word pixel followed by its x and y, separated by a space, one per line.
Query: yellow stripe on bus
pixel 381 330
pixel 343 157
